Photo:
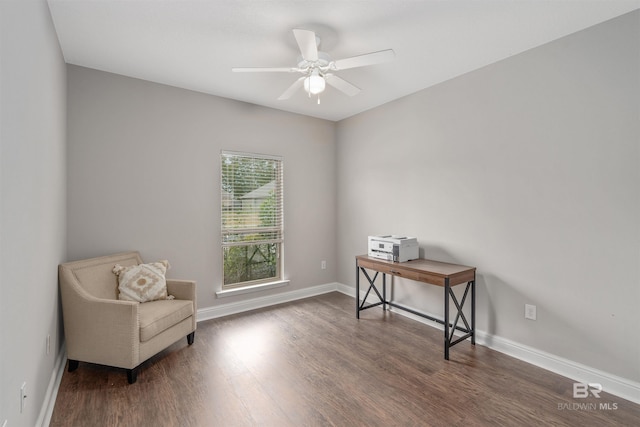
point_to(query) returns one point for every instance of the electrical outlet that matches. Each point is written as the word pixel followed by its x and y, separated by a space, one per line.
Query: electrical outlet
pixel 530 312
pixel 323 264
pixel 23 396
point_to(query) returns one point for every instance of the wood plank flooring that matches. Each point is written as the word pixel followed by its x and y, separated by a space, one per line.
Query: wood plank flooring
pixel 311 363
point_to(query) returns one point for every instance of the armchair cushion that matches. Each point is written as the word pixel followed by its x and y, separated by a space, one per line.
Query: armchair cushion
pixel 158 316
pixel 143 282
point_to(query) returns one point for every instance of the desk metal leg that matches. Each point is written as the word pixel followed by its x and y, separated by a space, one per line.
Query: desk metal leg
pixel 363 305
pixel 384 292
pixel 447 340
pixel 473 312
pixel 357 292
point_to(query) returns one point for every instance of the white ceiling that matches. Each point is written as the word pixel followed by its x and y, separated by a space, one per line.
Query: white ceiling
pixel 193 44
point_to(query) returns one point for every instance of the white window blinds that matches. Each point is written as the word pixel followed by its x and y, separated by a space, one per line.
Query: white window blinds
pixel 252 216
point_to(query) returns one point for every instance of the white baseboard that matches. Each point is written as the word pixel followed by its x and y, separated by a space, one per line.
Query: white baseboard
pixel 260 302
pixel 613 384
pixel 618 386
pixel 44 418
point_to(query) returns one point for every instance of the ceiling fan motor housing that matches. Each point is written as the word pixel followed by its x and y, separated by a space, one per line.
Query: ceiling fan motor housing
pixel 323 64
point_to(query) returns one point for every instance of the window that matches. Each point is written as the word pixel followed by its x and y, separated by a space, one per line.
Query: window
pixel 252 220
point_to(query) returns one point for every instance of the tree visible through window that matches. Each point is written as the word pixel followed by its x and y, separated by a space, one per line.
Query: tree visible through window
pixel 252 222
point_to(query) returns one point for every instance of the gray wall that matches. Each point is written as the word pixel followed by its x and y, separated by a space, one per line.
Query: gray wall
pixel 32 214
pixel 528 169
pixel 144 174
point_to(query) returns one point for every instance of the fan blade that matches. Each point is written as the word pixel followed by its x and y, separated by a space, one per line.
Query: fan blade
pixel 294 87
pixel 264 69
pixel 307 43
pixel 342 85
pixel 366 59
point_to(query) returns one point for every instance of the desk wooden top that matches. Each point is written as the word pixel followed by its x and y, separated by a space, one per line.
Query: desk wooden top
pixel 422 270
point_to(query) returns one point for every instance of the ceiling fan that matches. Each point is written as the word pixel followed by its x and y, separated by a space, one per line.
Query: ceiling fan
pixel 317 68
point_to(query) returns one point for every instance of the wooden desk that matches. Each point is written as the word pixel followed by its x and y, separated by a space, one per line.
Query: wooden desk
pixel 426 271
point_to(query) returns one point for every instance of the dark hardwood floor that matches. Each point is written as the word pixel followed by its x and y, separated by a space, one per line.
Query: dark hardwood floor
pixel 311 363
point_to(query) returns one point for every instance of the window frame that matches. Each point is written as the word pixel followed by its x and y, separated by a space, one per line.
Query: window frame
pixel 278 229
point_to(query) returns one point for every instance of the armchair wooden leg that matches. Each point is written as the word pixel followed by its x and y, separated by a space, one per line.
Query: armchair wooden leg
pixel 132 375
pixel 191 337
pixel 73 365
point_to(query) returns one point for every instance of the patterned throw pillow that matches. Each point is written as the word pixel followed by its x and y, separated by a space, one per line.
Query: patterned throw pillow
pixel 143 282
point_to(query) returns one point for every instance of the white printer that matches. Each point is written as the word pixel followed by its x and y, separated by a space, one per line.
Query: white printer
pixel 393 248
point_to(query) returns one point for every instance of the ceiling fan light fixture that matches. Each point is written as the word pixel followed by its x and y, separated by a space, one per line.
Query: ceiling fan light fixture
pixel 314 84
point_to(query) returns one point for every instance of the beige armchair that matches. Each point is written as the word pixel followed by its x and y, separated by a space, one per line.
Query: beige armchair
pixel 100 328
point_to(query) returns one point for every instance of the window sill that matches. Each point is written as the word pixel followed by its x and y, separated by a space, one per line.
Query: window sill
pixel 250 289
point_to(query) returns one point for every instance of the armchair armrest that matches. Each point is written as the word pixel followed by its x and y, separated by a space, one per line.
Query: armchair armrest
pixel 100 330
pixel 184 290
